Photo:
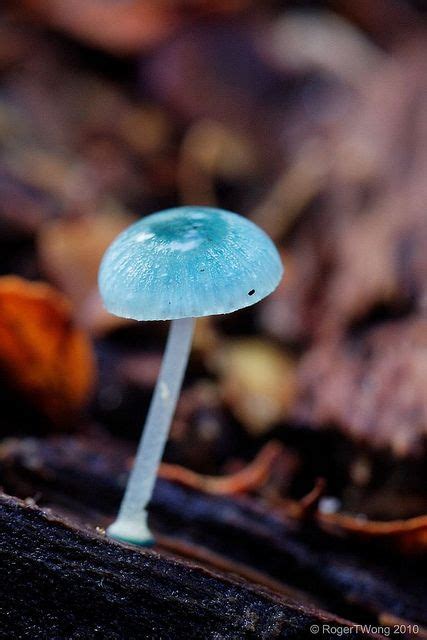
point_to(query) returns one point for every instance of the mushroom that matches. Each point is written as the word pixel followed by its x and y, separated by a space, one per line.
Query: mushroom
pixel 178 265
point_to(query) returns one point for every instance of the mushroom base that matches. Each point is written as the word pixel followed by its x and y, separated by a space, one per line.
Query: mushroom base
pixel 131 531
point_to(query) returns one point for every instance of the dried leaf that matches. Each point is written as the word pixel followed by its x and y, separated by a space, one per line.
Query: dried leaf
pixel 295 188
pixel 122 28
pixel 146 129
pixel 372 388
pixel 302 41
pixel 408 535
pixel 250 478
pixel 70 251
pixel 41 349
pixel 210 150
pixel 257 381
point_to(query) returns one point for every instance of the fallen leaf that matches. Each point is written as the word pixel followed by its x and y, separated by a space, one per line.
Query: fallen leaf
pixel 124 27
pixel 408 535
pixel 257 380
pixel 70 251
pixel 146 129
pixel 250 478
pixel 41 349
pixel 370 386
pixel 323 40
pixel 211 150
pixel 120 27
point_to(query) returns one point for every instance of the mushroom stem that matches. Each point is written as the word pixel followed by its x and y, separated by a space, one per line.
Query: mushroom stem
pixel 131 523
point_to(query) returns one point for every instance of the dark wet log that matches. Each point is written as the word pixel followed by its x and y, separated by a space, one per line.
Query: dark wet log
pixel 59 581
pixel 356 581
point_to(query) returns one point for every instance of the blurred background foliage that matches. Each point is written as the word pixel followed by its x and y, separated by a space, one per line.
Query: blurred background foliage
pixel 309 118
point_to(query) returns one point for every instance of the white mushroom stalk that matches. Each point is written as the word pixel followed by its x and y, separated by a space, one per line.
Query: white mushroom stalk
pixel 131 523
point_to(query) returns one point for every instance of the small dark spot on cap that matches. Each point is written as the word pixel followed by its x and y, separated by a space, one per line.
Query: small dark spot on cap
pixel 251 292
pixel 201 270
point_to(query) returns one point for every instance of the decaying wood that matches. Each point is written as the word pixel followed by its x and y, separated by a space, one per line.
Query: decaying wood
pixel 355 580
pixel 59 581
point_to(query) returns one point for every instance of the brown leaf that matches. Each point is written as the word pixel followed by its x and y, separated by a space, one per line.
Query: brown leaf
pixel 257 381
pixel 41 349
pixel 303 509
pixel 371 388
pixel 250 478
pixel 121 28
pixel 70 252
pixel 408 535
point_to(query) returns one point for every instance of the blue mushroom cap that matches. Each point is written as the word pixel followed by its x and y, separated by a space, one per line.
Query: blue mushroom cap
pixel 188 261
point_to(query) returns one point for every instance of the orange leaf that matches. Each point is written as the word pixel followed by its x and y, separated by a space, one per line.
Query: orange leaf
pixel 408 535
pixel 250 478
pixel 41 349
pixel 124 27
pixel 119 27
